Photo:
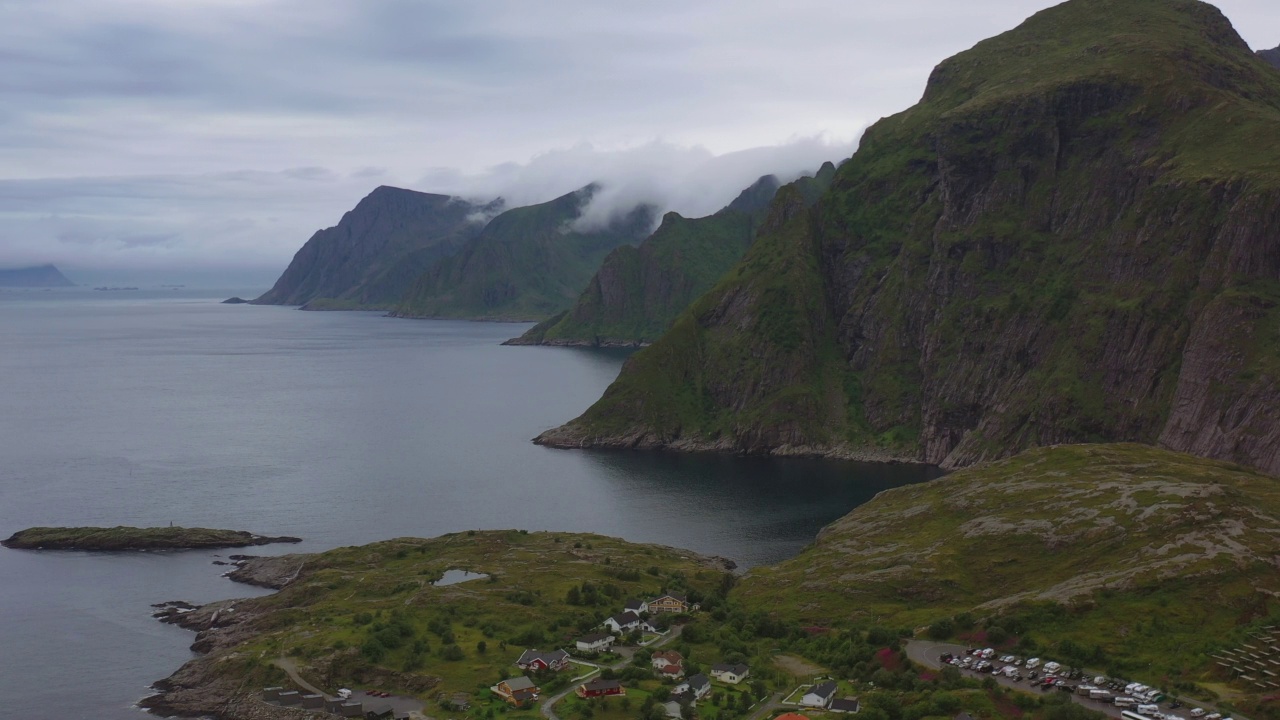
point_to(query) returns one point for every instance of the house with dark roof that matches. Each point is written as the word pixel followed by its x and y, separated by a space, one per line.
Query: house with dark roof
pixel 600 688
pixel 626 622
pixel 594 643
pixel 636 606
pixel 291 697
pixel 538 660
pixel 732 674
pixel 847 705
pixel 351 710
pixel 517 691
pixel 380 711
pixel 819 695
pixel 695 688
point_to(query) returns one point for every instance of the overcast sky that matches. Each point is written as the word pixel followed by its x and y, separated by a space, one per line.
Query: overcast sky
pixel 217 135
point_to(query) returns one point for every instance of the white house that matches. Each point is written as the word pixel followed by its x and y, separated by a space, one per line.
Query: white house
pixel 819 695
pixel 594 643
pixel 696 687
pixel 636 606
pixel 732 674
pixel 626 622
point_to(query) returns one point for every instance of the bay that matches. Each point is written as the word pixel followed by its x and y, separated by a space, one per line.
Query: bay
pixel 146 408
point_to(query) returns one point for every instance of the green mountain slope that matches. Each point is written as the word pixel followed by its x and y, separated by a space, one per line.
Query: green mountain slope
pixel 1156 559
pixel 1070 238
pixel 373 255
pixel 638 291
pixel 527 264
pixel 1272 56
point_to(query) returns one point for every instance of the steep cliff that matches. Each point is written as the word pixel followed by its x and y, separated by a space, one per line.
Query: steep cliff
pixel 638 291
pixel 373 255
pixel 1272 56
pixel 527 264
pixel 1072 237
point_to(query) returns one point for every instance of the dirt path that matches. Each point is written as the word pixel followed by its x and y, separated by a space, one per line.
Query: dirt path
pixel 291 668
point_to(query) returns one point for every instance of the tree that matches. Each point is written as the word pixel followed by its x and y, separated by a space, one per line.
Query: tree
pixel 482 647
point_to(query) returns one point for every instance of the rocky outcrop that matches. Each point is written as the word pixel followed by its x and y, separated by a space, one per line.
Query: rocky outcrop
pixel 378 249
pixel 130 538
pixel 639 291
pixel 529 263
pixel 37 276
pixel 1064 241
pixel 1272 56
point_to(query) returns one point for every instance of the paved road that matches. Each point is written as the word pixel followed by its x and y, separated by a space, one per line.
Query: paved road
pixel 548 705
pixel 773 703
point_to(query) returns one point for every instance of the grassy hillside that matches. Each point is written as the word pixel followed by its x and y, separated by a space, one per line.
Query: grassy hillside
pixel 373 255
pixel 1142 561
pixel 527 264
pixel 1069 239
pixel 638 292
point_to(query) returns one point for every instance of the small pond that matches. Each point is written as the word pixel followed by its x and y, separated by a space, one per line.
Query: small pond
pixel 453 577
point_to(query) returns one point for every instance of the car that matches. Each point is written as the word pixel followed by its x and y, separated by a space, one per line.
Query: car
pixel 1197 712
pixel 946 657
pixel 970 651
pixel 1035 674
pixel 1175 705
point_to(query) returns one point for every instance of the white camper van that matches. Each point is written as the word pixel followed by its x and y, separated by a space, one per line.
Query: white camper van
pixel 1033 663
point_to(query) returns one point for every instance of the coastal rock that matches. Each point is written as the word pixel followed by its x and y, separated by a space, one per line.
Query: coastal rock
pixel 132 538
pixel 270 572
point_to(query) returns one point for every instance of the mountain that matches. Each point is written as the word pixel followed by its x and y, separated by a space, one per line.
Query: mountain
pixel 527 264
pixel 36 276
pixel 1272 56
pixel 638 291
pixel 1070 238
pixel 373 255
pixel 1088 544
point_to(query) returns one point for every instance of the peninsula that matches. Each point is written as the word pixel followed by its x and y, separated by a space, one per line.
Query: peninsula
pixel 132 538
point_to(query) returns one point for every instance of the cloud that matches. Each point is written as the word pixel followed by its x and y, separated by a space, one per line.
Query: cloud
pixel 234 128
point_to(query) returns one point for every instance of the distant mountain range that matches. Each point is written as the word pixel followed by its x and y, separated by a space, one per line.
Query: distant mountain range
pixel 371 258
pixel 527 264
pixel 36 276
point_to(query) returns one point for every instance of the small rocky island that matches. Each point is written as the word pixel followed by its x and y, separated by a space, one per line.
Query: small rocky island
pixel 132 538
pixel 237 300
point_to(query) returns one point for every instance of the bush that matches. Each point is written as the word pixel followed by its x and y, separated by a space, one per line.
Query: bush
pixel 452 653
pixel 942 629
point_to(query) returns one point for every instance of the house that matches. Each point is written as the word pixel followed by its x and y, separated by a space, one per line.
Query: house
pixel 695 688
pixel 381 711
pixel 638 607
pixel 668 663
pixel 819 695
pixel 271 693
pixel 846 705
pixel 732 674
pixel 517 690
pixel 600 688
pixel 594 643
pixel 538 660
pixel 626 622
pixel 669 604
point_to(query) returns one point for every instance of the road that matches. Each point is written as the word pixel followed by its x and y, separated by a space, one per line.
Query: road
pixel 548 705
pixel 928 653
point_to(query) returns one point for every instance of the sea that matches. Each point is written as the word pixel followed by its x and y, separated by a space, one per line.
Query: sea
pixel 153 407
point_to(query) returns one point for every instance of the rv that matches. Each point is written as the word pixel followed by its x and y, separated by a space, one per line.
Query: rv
pixel 1148 709
pixel 1052 667
pixel 1124 701
pixel 1100 695
pixel 1033 663
pixel 345 694
pixel 986 654
pixel 1010 671
pixel 1130 715
pixel 1085 690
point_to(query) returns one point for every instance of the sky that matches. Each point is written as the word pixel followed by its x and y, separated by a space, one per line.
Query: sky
pixel 210 138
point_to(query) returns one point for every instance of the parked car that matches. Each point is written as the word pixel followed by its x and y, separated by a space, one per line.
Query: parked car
pixel 1197 712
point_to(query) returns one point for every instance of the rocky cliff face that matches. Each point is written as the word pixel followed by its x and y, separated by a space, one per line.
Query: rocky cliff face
pixel 1070 238
pixel 528 264
pixel 638 291
pixel 1272 56
pixel 373 255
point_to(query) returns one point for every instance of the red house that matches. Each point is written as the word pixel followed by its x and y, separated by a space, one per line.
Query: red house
pixel 600 688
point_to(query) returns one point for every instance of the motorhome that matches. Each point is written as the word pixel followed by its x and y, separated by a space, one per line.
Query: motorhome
pixel 1124 701
pixel 1148 709
pixel 1052 667
pixel 1033 663
pixel 1130 715
pixel 1101 695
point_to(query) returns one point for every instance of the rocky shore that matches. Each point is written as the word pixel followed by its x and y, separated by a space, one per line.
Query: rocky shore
pixel 132 538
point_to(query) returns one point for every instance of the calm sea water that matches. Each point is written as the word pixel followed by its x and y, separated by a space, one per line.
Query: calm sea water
pixel 342 428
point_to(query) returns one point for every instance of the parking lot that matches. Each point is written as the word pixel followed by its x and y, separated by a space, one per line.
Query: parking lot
pixel 931 654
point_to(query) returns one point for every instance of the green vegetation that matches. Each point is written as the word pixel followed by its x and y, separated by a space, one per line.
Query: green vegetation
pixel 527 264
pixel 375 253
pixel 1066 240
pixel 638 292
pixel 132 538
pixel 1125 558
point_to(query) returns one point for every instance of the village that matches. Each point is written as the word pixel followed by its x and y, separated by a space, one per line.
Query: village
pixel 625 655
